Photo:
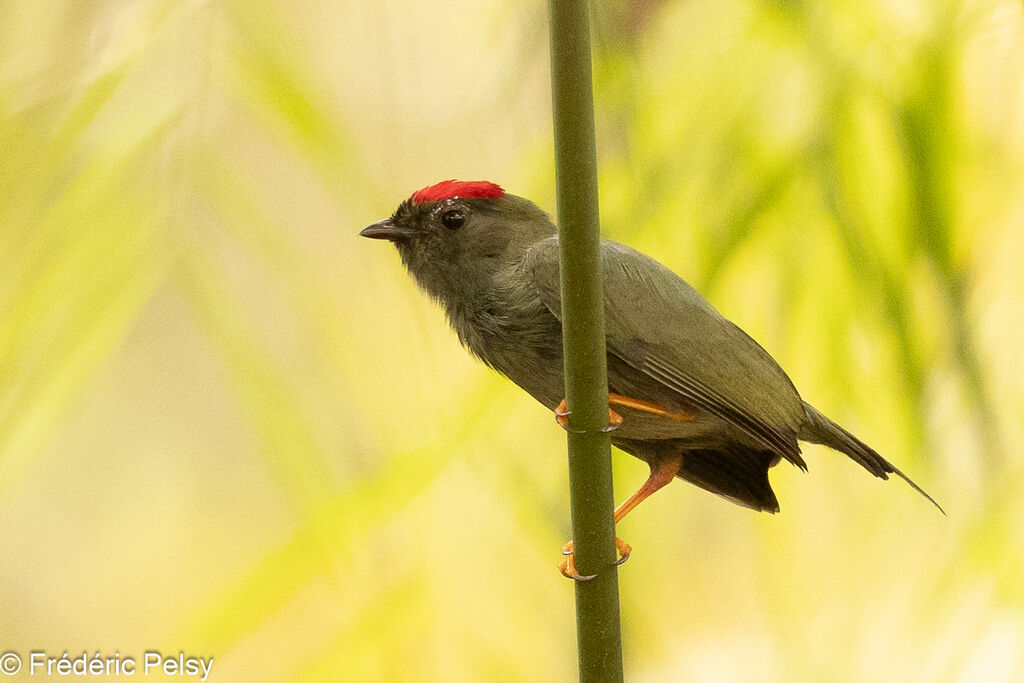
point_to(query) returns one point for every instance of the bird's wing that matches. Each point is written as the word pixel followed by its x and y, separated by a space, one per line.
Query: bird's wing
pixel 661 327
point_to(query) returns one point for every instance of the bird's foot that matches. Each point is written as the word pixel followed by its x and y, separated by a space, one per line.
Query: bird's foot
pixel 562 414
pixel 568 565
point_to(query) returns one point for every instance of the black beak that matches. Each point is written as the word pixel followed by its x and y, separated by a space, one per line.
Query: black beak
pixel 386 230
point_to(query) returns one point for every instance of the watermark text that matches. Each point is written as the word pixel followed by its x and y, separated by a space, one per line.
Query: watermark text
pixel 41 663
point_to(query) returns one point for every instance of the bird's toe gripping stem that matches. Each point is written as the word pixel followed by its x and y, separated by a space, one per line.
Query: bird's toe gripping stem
pixel 568 565
pixel 562 414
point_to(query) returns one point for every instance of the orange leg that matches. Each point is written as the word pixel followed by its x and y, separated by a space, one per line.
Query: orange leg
pixel 615 420
pixel 661 474
pixel 648 407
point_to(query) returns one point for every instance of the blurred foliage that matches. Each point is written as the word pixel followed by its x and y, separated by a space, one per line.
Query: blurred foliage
pixel 229 427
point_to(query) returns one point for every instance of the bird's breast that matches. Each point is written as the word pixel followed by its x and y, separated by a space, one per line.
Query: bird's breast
pixel 521 341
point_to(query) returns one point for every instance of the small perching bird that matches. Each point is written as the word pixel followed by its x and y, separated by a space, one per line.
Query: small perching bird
pixel 693 395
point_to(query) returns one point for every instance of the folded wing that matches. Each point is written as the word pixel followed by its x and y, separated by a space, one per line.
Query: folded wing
pixel 661 327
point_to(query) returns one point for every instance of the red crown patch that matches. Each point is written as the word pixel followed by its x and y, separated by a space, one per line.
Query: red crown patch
pixel 446 189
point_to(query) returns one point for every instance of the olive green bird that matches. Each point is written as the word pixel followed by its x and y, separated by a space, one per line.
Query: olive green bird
pixel 694 396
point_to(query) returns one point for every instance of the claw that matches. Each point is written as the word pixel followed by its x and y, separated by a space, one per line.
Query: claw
pixel 568 565
pixel 614 421
pixel 568 570
pixel 625 550
pixel 562 414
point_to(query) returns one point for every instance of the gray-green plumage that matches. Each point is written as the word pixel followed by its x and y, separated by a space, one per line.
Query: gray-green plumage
pixel 496 274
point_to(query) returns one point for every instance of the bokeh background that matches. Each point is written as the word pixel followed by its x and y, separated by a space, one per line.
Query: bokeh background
pixel 231 427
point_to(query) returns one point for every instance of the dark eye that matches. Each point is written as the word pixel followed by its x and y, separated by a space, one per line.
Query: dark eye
pixel 453 219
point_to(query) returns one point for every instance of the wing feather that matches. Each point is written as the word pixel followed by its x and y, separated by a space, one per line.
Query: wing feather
pixel 662 328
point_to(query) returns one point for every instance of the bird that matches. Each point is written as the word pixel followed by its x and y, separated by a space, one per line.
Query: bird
pixel 690 393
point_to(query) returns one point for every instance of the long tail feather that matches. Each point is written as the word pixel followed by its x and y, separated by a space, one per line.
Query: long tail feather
pixel 820 429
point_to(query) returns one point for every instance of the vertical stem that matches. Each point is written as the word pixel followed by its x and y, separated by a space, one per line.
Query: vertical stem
pixel 586 384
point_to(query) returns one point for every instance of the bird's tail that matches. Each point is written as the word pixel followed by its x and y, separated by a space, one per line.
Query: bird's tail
pixel 820 429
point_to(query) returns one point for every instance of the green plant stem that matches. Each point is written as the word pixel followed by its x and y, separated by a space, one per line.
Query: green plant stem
pixel 586 384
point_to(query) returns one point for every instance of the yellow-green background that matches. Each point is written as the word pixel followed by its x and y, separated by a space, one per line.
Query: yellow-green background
pixel 230 426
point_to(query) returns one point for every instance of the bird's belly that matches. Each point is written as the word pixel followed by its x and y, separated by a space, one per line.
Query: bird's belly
pixel 541 376
pixel 546 384
pixel 538 372
pixel 536 367
pixel 525 346
pixel 699 429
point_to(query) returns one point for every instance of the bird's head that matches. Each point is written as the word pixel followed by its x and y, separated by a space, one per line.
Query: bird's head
pixel 456 237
